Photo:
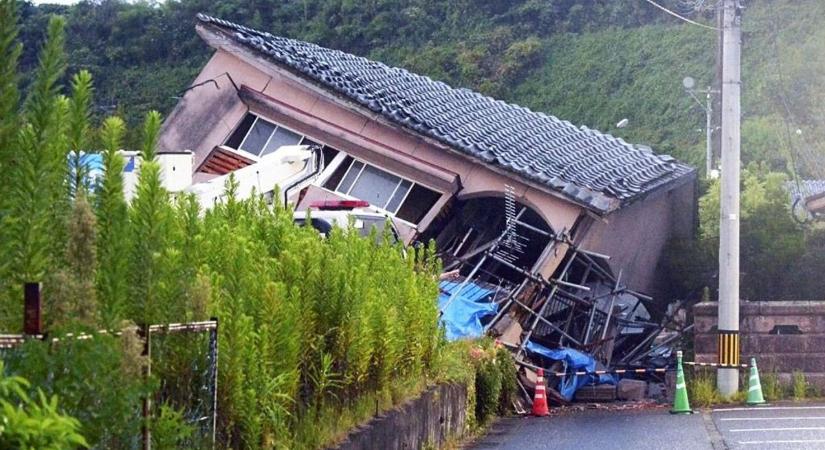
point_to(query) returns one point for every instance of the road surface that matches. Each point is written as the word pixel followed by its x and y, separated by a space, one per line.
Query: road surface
pixel 785 426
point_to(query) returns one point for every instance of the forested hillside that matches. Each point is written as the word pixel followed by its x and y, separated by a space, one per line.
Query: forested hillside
pixel 592 62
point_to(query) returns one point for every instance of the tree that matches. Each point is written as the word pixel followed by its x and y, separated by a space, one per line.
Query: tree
pixel 113 227
pixel 71 295
pixel 79 131
pixel 151 222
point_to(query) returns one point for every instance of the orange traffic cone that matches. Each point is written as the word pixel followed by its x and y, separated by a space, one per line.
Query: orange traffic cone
pixel 540 408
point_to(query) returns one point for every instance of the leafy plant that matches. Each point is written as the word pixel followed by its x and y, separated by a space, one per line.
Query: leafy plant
pixel 30 424
pixel 170 430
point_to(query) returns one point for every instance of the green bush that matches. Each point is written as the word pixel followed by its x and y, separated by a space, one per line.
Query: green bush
pixel 30 424
pixel 488 390
pixel 509 382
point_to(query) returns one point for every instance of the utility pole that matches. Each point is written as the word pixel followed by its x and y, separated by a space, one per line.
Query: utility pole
pixel 728 377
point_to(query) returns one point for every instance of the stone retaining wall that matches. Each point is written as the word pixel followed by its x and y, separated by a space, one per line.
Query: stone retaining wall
pixel 766 333
pixel 429 420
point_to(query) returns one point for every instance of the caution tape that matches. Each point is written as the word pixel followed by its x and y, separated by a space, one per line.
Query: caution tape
pixel 645 370
pixel 10 341
pixel 614 371
pixel 721 366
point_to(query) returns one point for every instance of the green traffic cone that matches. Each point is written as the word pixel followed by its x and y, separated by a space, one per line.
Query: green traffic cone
pixel 681 405
pixel 754 386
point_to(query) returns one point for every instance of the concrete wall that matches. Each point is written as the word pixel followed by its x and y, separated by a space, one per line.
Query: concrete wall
pixel 781 353
pixel 440 413
pixel 635 235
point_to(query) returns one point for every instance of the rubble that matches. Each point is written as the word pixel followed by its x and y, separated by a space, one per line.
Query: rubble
pixel 632 390
pixel 582 324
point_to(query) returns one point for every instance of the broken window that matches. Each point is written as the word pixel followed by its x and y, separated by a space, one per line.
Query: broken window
pixel 403 198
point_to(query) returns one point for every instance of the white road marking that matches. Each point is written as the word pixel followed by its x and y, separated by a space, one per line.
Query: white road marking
pixel 769 408
pixel 751 430
pixel 795 441
pixel 754 419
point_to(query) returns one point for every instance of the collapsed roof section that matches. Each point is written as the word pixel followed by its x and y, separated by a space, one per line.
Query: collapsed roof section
pixel 593 169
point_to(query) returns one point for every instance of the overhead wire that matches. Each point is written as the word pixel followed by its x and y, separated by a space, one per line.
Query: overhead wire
pixel 681 17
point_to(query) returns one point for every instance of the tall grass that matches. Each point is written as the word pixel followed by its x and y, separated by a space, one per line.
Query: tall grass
pixel 311 329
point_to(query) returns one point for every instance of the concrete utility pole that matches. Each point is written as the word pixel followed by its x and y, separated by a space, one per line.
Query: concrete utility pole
pixel 728 378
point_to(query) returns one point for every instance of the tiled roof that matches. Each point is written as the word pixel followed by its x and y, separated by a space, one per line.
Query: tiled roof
pixel 805 188
pixel 589 167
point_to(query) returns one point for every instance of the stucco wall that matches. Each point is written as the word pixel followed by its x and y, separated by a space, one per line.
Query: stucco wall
pixel 635 236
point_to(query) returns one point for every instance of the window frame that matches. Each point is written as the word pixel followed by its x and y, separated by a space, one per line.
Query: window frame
pixel 401 180
pixel 276 126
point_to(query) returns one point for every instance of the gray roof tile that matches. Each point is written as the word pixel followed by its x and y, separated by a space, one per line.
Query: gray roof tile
pixel 581 163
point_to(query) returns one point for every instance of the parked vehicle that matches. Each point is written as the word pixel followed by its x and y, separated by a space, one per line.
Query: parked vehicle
pixel 325 215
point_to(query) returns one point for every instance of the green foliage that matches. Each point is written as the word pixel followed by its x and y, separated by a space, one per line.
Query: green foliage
pixel 170 430
pixel 113 222
pixel 509 381
pixel 702 389
pixel 29 424
pixel 79 131
pixel 150 231
pixel 151 132
pixel 771 387
pixel 37 182
pixel 772 244
pixel 96 382
pixel 10 50
pixel 799 385
pixel 70 291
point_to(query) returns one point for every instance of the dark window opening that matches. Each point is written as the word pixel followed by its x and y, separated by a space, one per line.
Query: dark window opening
pixel 237 136
pixel 786 329
pixel 472 226
pixel 419 202
pixel 329 153
pixel 338 175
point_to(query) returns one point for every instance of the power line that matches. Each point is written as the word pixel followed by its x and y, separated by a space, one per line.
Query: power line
pixel 681 17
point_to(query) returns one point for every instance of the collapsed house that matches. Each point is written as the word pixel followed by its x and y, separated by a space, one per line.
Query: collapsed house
pixel 561 227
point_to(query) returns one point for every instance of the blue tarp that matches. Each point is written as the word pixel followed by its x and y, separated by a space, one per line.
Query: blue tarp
pixel 573 360
pixel 462 319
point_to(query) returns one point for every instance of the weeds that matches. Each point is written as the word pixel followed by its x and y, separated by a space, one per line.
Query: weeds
pixel 771 388
pixel 702 389
pixel 799 385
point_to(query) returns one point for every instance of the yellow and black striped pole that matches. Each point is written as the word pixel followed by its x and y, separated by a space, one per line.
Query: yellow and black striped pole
pixel 728 348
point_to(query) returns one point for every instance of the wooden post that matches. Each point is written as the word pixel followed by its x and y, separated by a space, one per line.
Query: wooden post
pixel 32 317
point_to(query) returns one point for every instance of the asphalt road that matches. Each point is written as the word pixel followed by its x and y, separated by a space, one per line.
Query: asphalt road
pixel 767 427
pixel 772 427
pixel 637 430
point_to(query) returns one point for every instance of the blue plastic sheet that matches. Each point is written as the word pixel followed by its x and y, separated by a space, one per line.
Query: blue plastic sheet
pixel 462 318
pixel 574 361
